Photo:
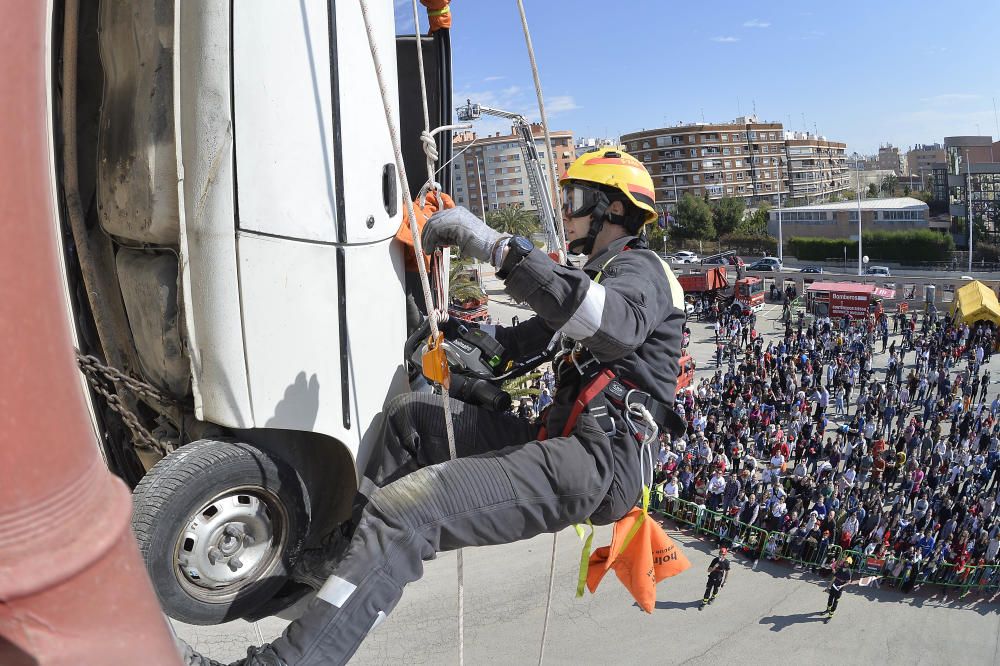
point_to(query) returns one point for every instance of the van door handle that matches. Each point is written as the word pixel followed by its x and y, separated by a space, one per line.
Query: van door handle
pixel 390 200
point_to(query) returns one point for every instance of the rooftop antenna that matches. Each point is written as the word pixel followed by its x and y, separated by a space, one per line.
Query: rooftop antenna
pixel 805 127
pixel 702 114
pixel 755 108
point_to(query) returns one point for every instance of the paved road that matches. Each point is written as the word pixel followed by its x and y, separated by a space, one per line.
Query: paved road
pixel 765 614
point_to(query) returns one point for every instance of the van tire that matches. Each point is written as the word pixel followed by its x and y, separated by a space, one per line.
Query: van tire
pixel 219 525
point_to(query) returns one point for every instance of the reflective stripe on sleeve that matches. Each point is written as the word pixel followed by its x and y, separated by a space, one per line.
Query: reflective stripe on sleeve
pixel 586 321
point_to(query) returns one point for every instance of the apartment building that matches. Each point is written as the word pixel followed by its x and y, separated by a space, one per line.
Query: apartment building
pixel 490 174
pixel 969 180
pixel 890 159
pixel 585 145
pixel 742 158
pixel 920 160
pixel 816 167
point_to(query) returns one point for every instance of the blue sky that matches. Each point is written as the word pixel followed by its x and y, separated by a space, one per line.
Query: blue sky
pixel 897 71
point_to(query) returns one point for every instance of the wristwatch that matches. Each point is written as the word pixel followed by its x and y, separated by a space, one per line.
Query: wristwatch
pixel 518 247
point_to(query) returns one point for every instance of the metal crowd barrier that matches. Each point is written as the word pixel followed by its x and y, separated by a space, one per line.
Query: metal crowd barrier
pixel 776 545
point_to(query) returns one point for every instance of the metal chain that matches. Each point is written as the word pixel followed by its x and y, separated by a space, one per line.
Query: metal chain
pixel 97 373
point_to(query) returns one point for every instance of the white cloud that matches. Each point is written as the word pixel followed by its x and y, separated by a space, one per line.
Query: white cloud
pixel 757 23
pixel 493 78
pixel 726 39
pixel 560 104
pixel 950 99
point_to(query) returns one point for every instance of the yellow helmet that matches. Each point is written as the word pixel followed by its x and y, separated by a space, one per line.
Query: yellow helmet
pixel 615 169
pixel 848 560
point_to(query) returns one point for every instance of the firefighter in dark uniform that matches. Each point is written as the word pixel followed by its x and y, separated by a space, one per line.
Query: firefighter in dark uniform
pixel 718 573
pixel 841 579
pixel 621 320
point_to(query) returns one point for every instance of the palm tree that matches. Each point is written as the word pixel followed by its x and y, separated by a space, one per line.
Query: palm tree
pixel 513 220
pixel 889 184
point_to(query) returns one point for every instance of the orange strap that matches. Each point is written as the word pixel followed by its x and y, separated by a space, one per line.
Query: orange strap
pixel 438 14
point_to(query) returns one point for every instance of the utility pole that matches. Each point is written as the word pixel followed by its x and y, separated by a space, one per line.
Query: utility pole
pixel 482 185
pixel 857 173
pixel 968 203
pixel 781 255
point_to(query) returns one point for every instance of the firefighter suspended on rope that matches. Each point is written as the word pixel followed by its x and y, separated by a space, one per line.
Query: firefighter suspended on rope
pixel 621 318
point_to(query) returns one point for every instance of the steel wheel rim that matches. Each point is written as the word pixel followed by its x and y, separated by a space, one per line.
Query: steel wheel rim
pixel 213 558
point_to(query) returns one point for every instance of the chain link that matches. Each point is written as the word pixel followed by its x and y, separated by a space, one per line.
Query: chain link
pixel 100 375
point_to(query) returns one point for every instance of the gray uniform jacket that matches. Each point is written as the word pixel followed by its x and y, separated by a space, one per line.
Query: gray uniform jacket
pixel 632 321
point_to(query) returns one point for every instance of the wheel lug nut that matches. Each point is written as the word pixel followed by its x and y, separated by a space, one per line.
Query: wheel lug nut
pixel 214 554
pixel 235 563
pixel 248 541
pixel 234 530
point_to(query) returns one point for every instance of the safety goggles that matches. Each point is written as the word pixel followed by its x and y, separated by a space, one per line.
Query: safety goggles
pixel 579 200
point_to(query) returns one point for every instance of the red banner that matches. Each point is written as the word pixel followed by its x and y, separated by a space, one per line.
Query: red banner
pixel 853 305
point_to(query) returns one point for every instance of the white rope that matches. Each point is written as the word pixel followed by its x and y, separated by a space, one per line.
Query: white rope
pixel 443 266
pixel 548 142
pixel 554 191
pixel 418 250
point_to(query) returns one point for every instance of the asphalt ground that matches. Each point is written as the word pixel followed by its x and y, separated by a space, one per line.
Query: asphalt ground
pixel 768 612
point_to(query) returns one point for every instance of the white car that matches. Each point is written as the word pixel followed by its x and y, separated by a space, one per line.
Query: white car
pixel 684 257
pixel 882 271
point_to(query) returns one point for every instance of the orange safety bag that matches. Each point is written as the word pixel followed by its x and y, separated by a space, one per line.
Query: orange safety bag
pixel 422 214
pixel 641 555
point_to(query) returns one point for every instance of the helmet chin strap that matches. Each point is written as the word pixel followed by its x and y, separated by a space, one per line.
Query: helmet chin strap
pixel 597 217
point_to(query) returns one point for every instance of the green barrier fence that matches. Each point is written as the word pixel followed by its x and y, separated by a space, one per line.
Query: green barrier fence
pixel 886 570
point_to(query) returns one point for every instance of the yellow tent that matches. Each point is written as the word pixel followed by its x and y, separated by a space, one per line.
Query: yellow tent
pixel 976 301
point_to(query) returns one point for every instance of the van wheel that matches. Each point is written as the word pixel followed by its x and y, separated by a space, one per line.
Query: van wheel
pixel 219 525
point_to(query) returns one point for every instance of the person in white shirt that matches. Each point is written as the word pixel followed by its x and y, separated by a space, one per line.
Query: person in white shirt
pixel 716 486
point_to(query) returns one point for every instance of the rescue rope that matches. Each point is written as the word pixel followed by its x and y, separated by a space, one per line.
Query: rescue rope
pixel 418 250
pixel 553 183
pixel 562 258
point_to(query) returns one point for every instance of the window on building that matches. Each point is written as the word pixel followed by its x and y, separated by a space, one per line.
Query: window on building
pixel 645 144
pixel 725 151
pixel 738 163
pixel 725 137
pixel 727 163
pixel 694 152
pixel 696 178
pixel 690 138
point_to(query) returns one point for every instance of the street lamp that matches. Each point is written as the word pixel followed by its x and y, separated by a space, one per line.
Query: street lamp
pixel 857 173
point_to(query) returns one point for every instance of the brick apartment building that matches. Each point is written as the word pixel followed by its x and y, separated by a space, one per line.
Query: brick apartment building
pixel 490 173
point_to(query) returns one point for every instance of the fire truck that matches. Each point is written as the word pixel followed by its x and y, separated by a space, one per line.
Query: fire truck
pixel 840 299
pixel 706 286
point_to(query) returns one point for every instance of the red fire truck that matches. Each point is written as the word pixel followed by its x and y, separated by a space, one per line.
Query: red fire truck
pixel 712 285
pixel 837 299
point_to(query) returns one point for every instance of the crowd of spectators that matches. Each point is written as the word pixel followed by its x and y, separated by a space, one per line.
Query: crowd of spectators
pixel 824 443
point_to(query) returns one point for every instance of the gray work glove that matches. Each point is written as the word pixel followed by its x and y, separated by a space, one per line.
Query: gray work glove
pixel 457 226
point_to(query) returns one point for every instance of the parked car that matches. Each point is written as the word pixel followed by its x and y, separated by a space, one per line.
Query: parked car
pixel 766 264
pixel 882 271
pixel 812 269
pixel 684 257
pixel 731 260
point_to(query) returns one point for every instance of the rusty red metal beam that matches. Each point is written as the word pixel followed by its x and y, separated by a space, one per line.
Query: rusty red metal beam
pixel 73 589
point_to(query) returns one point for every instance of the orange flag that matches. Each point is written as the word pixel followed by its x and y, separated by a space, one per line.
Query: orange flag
pixel 645 556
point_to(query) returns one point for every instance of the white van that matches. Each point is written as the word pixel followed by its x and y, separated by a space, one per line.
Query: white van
pixel 230 201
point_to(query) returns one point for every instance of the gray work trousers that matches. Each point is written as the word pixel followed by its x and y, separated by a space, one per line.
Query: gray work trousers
pixel 504 487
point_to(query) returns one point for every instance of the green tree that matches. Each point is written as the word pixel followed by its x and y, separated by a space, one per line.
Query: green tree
pixel 513 220
pixel 755 223
pixel 906 190
pixel 727 214
pixel 924 196
pixel 889 184
pixel 694 219
pixel 872 191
